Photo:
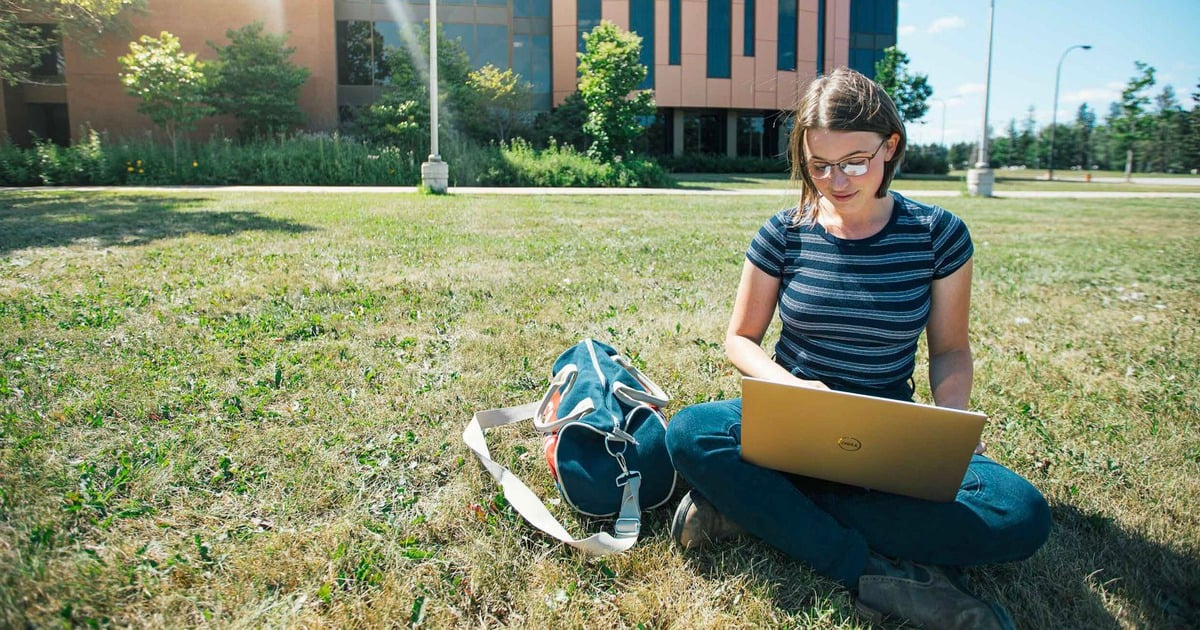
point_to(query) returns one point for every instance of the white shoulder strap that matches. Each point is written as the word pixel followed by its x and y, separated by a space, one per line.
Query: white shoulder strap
pixel 518 495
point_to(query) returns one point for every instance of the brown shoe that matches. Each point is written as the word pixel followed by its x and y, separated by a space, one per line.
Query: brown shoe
pixel 924 595
pixel 698 523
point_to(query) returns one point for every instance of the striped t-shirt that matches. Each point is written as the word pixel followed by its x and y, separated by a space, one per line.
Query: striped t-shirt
pixel 853 310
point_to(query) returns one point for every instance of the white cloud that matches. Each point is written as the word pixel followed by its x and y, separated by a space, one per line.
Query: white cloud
pixel 970 88
pixel 905 31
pixel 1106 94
pixel 946 24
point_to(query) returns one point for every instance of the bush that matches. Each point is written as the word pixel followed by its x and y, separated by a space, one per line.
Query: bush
pixel 520 164
pixel 929 159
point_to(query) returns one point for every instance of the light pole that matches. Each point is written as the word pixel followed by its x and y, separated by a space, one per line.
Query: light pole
pixel 981 178
pixel 435 174
pixel 1054 112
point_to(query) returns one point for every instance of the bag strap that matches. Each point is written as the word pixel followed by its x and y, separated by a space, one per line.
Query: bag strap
pixel 629 521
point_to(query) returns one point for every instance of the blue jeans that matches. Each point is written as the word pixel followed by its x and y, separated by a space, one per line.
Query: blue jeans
pixel 996 517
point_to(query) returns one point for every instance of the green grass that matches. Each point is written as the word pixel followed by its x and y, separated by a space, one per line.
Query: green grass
pixel 1006 181
pixel 242 409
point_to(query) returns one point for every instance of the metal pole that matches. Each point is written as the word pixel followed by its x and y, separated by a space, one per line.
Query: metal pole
pixel 434 155
pixel 1054 112
pixel 987 90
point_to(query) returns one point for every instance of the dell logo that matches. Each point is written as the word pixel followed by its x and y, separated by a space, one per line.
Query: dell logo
pixel 849 444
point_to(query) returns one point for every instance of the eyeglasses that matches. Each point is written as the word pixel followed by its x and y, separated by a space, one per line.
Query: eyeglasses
pixel 853 167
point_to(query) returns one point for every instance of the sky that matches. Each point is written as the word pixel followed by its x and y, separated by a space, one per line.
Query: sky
pixel 947 41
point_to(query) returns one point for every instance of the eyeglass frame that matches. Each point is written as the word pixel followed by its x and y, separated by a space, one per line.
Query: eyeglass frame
pixel 828 170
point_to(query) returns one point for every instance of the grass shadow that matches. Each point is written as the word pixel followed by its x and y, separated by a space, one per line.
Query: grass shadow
pixel 1088 559
pixel 100 220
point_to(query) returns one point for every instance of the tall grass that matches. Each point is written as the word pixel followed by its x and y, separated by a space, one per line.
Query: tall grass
pixel 244 410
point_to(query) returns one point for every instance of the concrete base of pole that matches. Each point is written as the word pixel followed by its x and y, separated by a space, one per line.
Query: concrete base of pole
pixel 435 176
pixel 980 182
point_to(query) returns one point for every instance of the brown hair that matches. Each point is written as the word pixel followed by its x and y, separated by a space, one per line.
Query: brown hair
pixel 843 100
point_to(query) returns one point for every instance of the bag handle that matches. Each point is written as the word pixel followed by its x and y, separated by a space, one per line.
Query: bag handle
pixel 629 521
pixel 654 395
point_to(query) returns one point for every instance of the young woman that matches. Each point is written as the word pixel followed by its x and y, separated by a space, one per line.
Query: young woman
pixel 856 274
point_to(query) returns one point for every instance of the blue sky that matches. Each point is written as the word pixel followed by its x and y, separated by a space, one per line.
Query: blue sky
pixel 947 40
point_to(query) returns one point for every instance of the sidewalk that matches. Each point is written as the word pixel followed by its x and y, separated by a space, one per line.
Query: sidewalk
pixel 479 190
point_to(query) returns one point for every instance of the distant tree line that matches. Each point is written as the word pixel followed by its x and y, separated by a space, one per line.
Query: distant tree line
pixel 1140 134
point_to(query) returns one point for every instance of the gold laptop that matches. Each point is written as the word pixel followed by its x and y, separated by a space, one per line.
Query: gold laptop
pixel 900 447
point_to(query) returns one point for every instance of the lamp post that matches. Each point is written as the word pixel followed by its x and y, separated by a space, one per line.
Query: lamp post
pixel 435 174
pixel 981 178
pixel 1054 112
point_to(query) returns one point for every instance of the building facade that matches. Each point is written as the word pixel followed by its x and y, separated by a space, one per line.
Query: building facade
pixel 724 72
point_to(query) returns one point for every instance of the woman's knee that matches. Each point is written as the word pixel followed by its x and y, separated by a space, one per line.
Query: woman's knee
pixel 1024 518
pixel 691 429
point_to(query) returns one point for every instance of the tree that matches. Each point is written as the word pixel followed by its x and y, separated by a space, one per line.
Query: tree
pixel 1170 129
pixel 254 79
pixel 504 96
pixel 1085 127
pixel 1192 143
pixel 609 71
pixel 83 21
pixel 908 90
pixel 169 82
pixel 1131 124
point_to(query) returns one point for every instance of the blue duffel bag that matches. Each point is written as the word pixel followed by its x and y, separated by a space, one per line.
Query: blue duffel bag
pixel 604 441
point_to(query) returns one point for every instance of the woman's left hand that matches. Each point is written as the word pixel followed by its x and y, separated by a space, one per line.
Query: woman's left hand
pixel 980 448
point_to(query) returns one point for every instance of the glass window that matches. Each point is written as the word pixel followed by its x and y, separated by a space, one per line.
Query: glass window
pixel 464 33
pixel 704 133
pixel 531 60
pixel 787 34
pixel 748 29
pixel 491 46
pixel 674 29
pixel 502 3
pixel 750 136
pixel 531 8
pixel 719 38
pixel 355 52
pixel 588 13
pixel 641 21
pixel 50 62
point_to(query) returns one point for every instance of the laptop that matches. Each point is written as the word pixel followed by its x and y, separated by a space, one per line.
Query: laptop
pixel 895 446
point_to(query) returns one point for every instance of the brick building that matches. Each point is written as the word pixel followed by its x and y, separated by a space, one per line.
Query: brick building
pixel 722 71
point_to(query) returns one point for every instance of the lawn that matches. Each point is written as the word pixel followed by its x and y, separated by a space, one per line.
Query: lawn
pixel 1006 181
pixel 244 409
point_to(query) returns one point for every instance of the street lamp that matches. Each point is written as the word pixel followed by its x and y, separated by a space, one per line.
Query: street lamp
pixel 981 178
pixel 435 174
pixel 1054 112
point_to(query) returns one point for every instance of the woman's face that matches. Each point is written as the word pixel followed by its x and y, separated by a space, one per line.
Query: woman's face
pixel 836 159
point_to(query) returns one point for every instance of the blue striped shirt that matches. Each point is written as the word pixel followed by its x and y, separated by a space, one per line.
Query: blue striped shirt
pixel 853 310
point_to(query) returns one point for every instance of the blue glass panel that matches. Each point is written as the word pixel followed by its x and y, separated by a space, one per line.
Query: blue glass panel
pixel 641 21
pixel 674 27
pixel 787 34
pixel 720 30
pixel 491 46
pixel 464 33
pixel 588 18
pixel 748 29
pixel 531 8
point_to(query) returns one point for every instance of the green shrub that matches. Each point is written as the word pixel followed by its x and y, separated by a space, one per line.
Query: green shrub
pixel 520 164
pixel 929 159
